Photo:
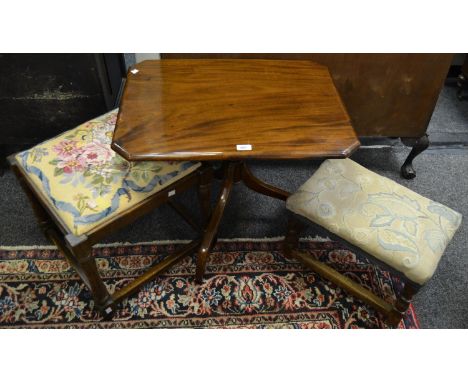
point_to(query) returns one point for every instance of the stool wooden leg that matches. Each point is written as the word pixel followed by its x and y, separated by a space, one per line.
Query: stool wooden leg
pixel 402 304
pixel 291 240
pixel 86 267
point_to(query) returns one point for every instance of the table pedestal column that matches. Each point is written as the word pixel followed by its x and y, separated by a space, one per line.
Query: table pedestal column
pixel 233 172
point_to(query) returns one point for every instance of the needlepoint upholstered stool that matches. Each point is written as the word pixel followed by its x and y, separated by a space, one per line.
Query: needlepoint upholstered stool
pixel 81 189
pixel 374 216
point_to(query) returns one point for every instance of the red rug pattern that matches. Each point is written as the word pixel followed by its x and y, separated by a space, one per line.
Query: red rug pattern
pixel 248 284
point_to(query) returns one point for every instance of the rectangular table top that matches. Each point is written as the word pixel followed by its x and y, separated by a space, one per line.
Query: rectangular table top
pixel 231 109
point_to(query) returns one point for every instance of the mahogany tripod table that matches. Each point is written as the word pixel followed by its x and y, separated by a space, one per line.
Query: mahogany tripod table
pixel 230 111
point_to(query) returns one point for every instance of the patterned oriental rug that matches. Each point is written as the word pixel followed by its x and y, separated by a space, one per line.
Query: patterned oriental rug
pixel 248 284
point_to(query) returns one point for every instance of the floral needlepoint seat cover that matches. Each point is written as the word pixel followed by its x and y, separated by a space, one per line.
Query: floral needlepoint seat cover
pixel 394 224
pixel 86 182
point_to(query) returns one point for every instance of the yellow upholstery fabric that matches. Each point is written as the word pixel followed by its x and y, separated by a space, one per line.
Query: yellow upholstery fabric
pixel 86 182
pixel 394 224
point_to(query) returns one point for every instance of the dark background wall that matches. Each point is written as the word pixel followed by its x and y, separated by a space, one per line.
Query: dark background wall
pixel 42 95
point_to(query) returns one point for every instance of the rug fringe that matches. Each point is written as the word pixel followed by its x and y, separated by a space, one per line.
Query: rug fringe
pixel 162 242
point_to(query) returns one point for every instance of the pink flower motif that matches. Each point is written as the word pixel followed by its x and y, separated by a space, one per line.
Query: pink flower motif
pixel 145 298
pixel 71 164
pixel 170 304
pixel 97 153
pixel 112 119
pixel 323 325
pixel 44 308
pixel 67 149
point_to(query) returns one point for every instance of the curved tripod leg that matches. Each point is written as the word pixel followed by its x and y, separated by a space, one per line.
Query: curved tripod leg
pixel 421 144
pixel 213 224
pixel 205 178
pixel 261 187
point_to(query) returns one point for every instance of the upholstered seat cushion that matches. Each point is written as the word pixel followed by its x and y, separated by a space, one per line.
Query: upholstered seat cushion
pixel 388 221
pixel 86 182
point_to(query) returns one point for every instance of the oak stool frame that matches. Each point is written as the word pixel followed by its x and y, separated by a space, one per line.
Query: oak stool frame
pixel 78 249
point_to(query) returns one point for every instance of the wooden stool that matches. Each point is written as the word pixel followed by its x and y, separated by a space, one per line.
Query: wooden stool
pixel 376 217
pixel 81 190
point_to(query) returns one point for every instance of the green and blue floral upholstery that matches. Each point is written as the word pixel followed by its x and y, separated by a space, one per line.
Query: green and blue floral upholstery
pixel 386 220
pixel 86 182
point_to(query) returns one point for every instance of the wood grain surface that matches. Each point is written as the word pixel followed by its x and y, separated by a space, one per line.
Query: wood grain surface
pixel 385 94
pixel 204 109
